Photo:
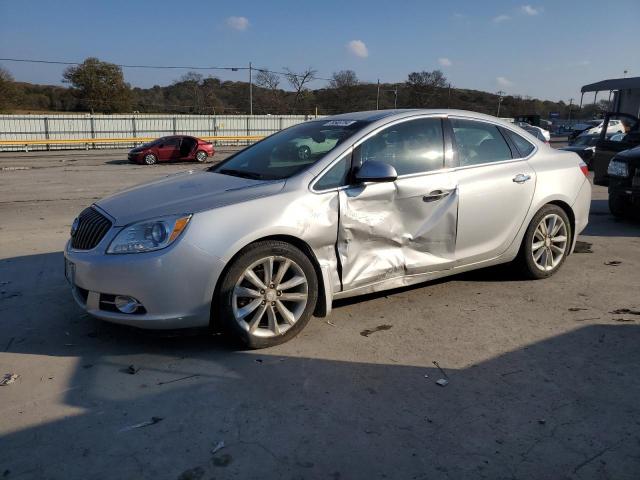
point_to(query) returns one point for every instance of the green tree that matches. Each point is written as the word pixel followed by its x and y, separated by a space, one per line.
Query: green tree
pixel 423 87
pixel 8 91
pixel 99 86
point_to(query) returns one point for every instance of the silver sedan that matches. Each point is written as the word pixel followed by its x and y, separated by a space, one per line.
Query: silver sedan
pixel 269 237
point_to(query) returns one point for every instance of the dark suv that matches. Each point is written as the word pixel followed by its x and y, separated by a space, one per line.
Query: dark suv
pixel 624 183
pixel 608 147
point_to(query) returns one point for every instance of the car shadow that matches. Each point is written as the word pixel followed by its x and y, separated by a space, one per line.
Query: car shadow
pixel 603 224
pixel 140 406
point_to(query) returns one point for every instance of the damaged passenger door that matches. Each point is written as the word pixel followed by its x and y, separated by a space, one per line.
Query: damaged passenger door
pixel 391 229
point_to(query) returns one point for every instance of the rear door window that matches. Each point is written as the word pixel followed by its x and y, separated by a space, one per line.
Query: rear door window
pixel 479 142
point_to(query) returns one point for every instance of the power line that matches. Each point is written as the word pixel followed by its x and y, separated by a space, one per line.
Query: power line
pixel 161 67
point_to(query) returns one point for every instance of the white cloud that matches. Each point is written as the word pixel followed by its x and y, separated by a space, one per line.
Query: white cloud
pixel 238 23
pixel 529 10
pixel 445 62
pixel 504 82
pixel 501 18
pixel 358 48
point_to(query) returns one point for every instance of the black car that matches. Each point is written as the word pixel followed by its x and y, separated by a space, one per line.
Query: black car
pixel 624 183
pixel 581 127
pixel 584 146
pixel 609 146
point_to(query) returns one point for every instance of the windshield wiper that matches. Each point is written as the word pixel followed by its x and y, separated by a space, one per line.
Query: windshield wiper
pixel 240 173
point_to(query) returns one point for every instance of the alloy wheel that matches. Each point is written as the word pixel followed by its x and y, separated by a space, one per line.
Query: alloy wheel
pixel 201 156
pixel 270 296
pixel 549 242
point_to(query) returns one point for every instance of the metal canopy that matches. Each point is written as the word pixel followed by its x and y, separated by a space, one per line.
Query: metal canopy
pixel 613 84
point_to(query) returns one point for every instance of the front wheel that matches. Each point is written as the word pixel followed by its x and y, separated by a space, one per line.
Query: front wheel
pixel 546 243
pixel 618 206
pixel 304 153
pixel 201 156
pixel 268 294
pixel 150 159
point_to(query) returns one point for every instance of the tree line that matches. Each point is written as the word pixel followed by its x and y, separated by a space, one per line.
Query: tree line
pixel 99 87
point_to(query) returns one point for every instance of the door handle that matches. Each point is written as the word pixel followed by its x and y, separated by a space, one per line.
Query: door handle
pixel 436 195
pixel 521 178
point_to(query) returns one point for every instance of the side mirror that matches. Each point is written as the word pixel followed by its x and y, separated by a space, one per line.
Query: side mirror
pixel 373 171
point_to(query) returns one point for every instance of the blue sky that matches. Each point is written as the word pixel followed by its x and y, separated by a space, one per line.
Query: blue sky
pixel 545 49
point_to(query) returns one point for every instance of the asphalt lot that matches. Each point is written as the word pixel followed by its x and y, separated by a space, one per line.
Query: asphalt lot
pixel 543 375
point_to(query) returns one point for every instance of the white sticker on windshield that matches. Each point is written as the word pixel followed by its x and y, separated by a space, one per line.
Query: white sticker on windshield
pixel 339 123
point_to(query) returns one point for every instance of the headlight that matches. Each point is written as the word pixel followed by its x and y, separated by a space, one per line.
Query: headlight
pixel 149 235
pixel 618 169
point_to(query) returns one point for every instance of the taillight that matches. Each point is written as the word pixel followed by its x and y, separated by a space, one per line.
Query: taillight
pixel 584 168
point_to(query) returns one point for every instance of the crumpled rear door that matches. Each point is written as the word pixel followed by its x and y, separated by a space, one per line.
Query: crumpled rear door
pixel 395 229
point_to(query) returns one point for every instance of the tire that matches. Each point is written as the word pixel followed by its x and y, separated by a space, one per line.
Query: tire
pixel 201 156
pixel 257 315
pixel 545 257
pixel 304 153
pixel 618 206
pixel 150 159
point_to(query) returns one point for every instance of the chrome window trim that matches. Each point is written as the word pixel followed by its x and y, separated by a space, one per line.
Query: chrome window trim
pixel 498 125
pixel 363 139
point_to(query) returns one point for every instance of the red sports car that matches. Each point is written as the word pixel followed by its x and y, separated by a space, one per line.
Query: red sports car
pixel 172 149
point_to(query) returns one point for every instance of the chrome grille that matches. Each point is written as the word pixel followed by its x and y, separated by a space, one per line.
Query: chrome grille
pixel 92 227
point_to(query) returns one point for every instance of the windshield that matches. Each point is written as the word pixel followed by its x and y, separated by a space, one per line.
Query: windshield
pixel 290 151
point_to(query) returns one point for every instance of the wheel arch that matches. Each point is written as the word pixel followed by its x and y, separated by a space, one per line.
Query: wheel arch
pixel 320 309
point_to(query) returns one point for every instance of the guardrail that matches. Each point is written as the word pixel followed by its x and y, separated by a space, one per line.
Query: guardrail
pixel 92 141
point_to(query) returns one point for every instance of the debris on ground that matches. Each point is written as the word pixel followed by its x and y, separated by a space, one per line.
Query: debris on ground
pixel 542 421
pixel 258 360
pixel 153 421
pixel 625 311
pixel 219 446
pixel 613 263
pixel 131 370
pixel 329 322
pixel 583 247
pixel 379 328
pixel 441 370
pixel 623 320
pixel 443 382
pixel 178 379
pixel 577 309
pixel 6 349
pixel 8 379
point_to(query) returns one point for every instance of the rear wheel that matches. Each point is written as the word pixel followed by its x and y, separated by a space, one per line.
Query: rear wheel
pixel 304 153
pixel 150 159
pixel 201 156
pixel 546 243
pixel 268 294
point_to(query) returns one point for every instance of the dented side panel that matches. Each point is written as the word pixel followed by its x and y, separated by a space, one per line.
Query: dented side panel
pixel 393 229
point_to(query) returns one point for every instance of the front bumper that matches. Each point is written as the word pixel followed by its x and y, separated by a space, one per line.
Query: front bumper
pixel 174 285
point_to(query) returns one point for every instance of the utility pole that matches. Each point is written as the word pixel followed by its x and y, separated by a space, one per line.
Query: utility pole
pixel 500 94
pixel 570 103
pixel 378 96
pixel 250 90
pixel 449 98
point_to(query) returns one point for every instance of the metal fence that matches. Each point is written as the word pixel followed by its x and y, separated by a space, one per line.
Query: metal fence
pixel 120 131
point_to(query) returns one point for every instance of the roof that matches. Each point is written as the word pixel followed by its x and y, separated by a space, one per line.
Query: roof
pixel 613 84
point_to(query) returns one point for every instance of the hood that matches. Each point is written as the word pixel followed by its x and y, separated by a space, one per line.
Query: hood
pixel 631 155
pixel 186 192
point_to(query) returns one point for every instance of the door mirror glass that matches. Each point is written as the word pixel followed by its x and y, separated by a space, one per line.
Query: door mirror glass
pixel 374 171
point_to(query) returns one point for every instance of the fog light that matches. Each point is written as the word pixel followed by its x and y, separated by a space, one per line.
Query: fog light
pixel 126 304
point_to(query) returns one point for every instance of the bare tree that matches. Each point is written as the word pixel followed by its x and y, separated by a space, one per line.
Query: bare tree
pixel 268 80
pixel 344 79
pixel 7 89
pixel 298 82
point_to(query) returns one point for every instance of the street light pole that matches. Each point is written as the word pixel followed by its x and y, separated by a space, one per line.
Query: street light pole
pixel 250 90
pixel 570 103
pixel 500 93
pixel 378 96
